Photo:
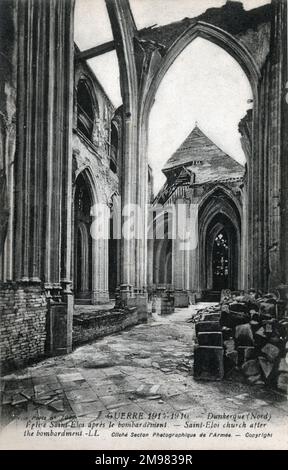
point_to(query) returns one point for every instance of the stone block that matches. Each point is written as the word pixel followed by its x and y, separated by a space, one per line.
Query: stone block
pixel 283 365
pixel 210 338
pixel 266 366
pixel 254 325
pixel 228 333
pixel 203 326
pixel 238 307
pixel 282 382
pixel 181 299
pixel 268 308
pixel 244 335
pixel 209 363
pixel 245 353
pixel 229 345
pixel 230 361
pixel 255 379
pixel 215 316
pixel 232 319
pixel 270 351
pixel 251 367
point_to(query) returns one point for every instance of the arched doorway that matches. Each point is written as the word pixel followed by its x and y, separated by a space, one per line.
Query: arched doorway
pixel 222 254
pixel 82 242
pixel 220 245
pixel 162 248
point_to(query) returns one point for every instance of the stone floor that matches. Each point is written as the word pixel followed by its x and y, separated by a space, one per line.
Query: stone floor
pixel 146 369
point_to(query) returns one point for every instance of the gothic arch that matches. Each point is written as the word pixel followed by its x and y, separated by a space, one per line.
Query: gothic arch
pixel 91 88
pixel 216 210
pixel 149 88
pixel 217 36
pixel 91 182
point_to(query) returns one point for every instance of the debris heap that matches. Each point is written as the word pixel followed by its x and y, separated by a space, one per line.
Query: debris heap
pixel 243 334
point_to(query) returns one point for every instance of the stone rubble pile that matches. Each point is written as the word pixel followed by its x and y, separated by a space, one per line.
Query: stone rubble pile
pixel 243 334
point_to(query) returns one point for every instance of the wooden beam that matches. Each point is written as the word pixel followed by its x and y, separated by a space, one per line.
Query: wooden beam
pixel 96 51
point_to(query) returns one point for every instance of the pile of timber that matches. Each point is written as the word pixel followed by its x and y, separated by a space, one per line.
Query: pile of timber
pixel 243 334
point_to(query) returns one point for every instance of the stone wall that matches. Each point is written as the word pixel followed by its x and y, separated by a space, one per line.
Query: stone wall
pixel 23 312
pixel 89 327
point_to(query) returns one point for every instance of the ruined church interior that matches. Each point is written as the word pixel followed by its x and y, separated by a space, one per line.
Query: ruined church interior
pixel 76 167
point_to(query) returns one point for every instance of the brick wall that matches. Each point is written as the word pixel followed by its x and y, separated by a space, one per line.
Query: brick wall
pixel 23 311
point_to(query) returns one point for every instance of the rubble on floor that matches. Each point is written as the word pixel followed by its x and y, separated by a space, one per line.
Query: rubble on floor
pixel 245 334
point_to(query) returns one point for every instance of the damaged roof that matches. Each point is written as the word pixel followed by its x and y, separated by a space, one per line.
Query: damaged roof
pixel 204 159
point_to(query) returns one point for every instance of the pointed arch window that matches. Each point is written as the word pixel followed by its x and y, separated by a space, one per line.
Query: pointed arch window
pixel 114 148
pixel 85 110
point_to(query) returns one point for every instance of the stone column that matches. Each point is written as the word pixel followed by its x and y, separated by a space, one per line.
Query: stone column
pixel 277 197
pixel 134 171
pixel 150 250
pixel 123 27
pixel 178 254
pixel 100 258
pixel 43 168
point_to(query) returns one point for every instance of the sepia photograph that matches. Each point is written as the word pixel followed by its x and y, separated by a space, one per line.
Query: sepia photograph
pixel 143 226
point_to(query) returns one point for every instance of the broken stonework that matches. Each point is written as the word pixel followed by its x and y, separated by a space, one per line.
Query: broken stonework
pixel 229 345
pixel 230 360
pixel 251 367
pixel 245 353
pixel 254 340
pixel 282 382
pixel 270 351
pixel 210 338
pixel 244 335
pixel 208 363
pixel 203 326
pixel 266 366
pixel 283 366
pixel 211 317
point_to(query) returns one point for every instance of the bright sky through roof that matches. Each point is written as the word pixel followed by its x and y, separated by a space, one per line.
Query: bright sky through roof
pixel 204 83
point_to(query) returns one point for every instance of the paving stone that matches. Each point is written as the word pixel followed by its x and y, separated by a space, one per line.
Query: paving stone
pixel 70 377
pixel 115 401
pixel 170 345
pixel 82 409
pixel 45 379
pixel 7 398
pixel 147 390
pixel 80 395
pixel 57 406
pixel 155 407
pixel 11 385
pixel 69 386
pixel 106 390
pixel 181 402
